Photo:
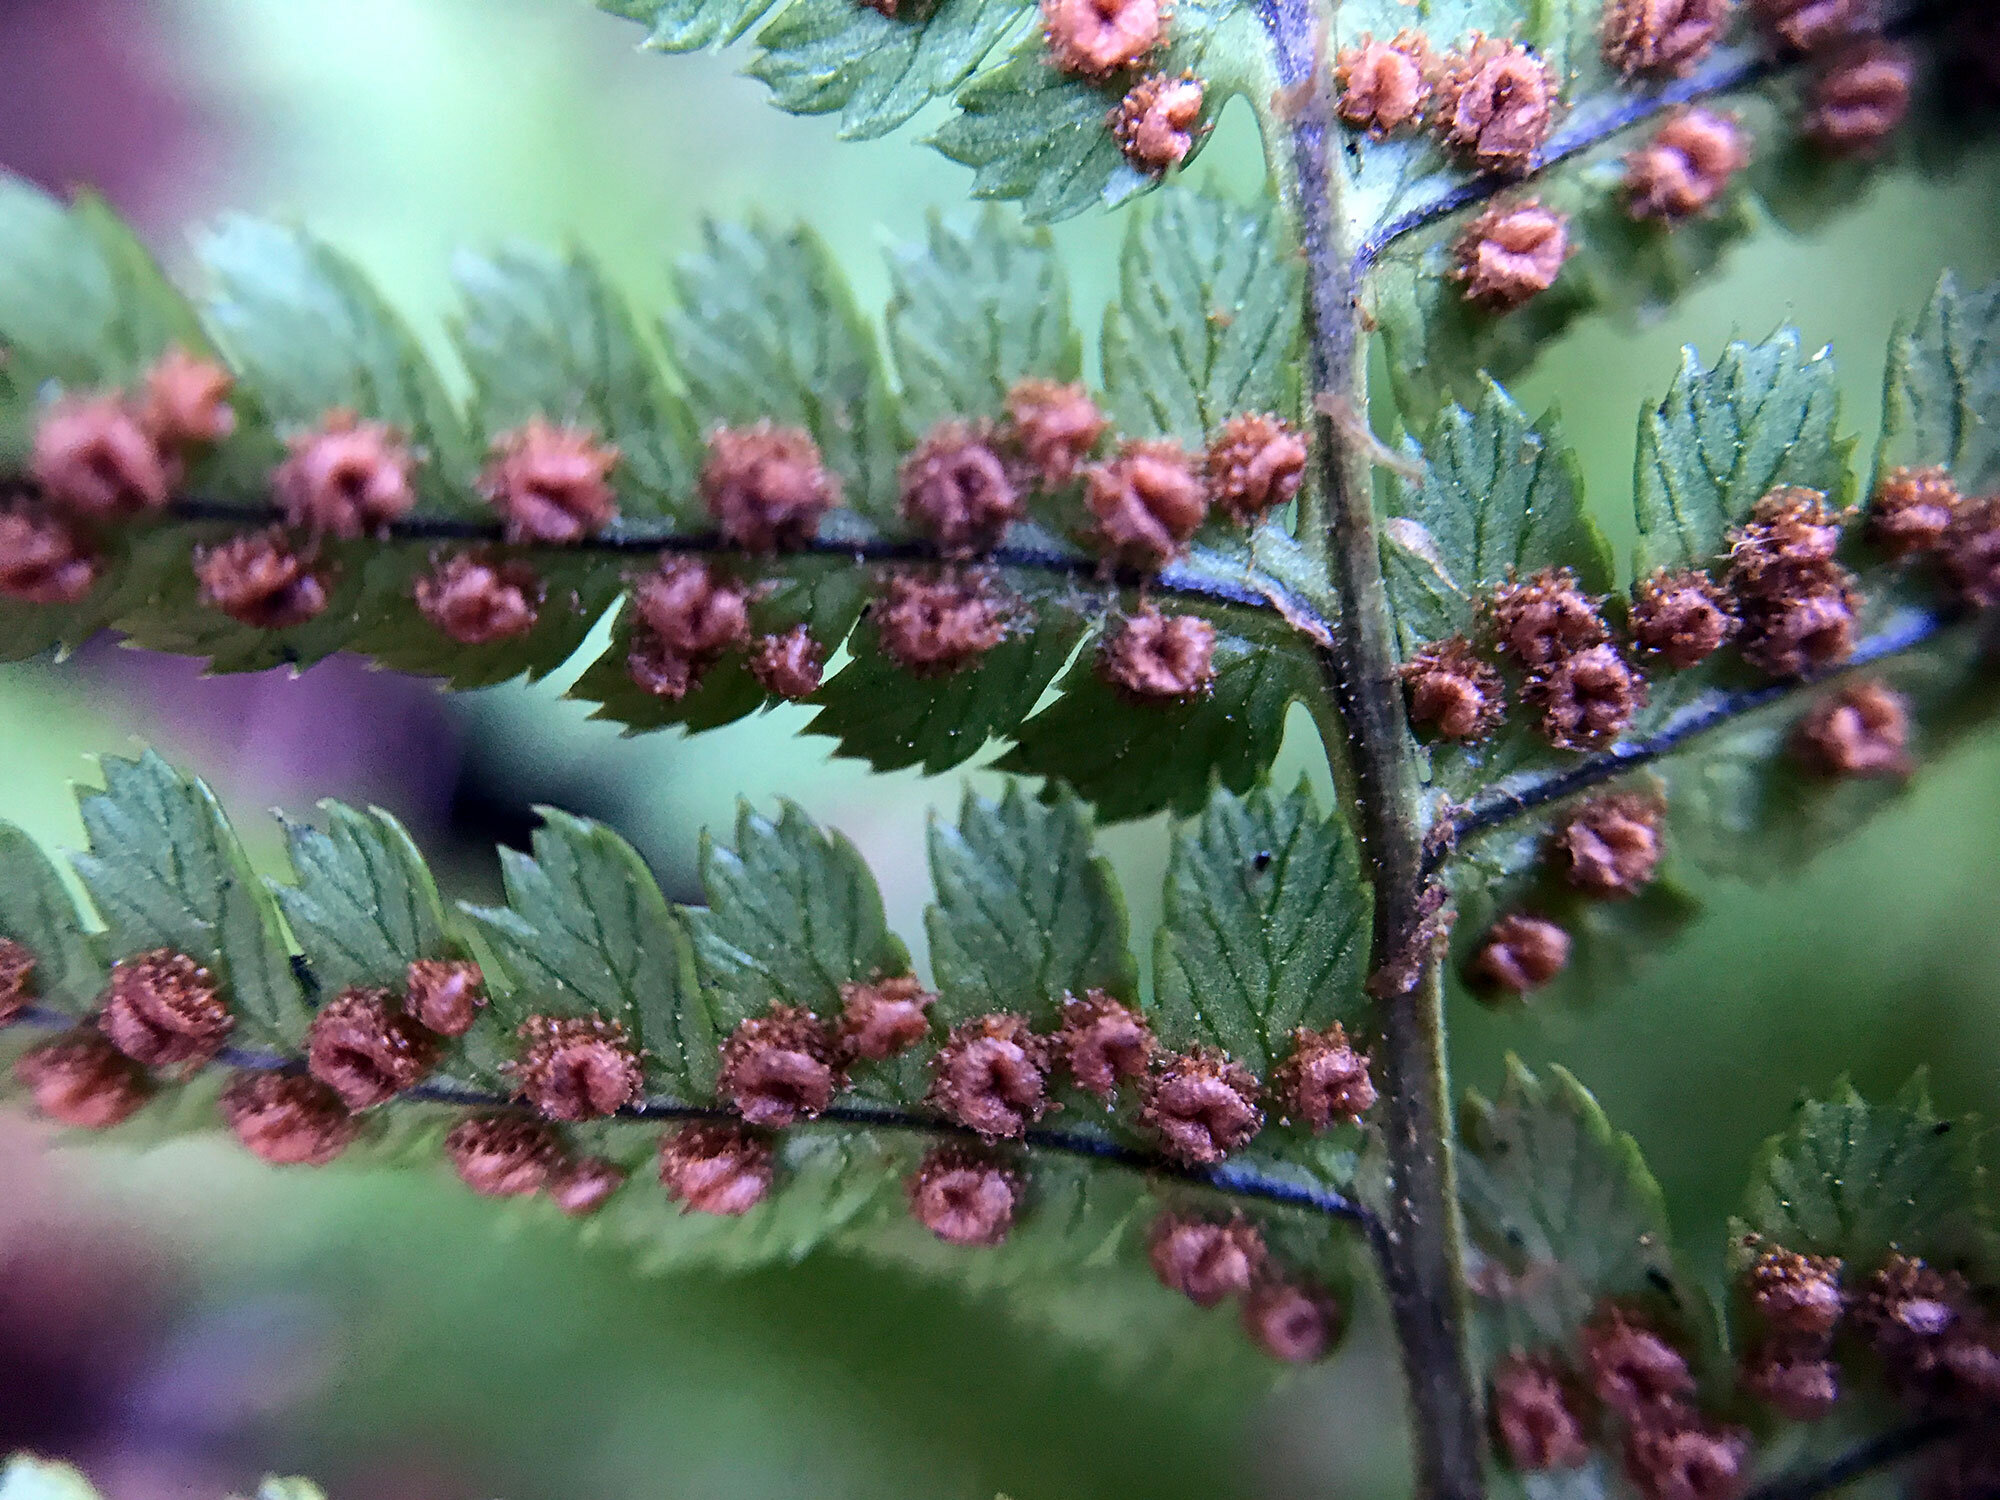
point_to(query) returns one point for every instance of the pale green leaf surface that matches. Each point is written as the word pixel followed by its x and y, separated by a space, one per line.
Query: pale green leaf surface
pixel 37 912
pixel 1943 387
pixel 364 906
pixel 688 25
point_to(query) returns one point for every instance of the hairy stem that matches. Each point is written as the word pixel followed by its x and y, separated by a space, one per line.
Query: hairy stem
pixel 1418 1243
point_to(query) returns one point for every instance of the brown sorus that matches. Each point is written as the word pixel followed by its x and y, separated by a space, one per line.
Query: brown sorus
pixel 1632 1368
pixel 789 664
pixel 1535 1415
pixel 1911 510
pixel 1610 845
pixel 692 610
pixel 1154 123
pixel 715 1168
pixel 963 1195
pixel 580 1188
pixel 1684 168
pixel 365 1049
pixel 502 1156
pixel 1454 695
pixel 1096 38
pixel 1148 502
pixel 1857 101
pixel 1796 1295
pixel 767 486
pixel 1204 1261
pixel 44 560
pixel 1585 701
pixel 550 484
pixel 163 1008
pixel 883 1019
pixel 991 1075
pixel 1677 1454
pixel 1541 620
pixel 287 1119
pixel 17 972
pixel 1861 730
pixel 1201 1106
pixel 1519 953
pixel 576 1067
pixel 1495 104
pixel 779 1067
pixel 1384 85
pixel 1325 1080
pixel 1682 618
pixel 95 460
pixel 1156 658
pixel 1512 253
pixel 1103 1042
pixel 186 403
pixel 477 601
pixel 935 626
pixel 80 1079
pixel 1661 38
pixel 1814 25
pixel 1971 554
pixel 345 478
pixel 956 490
pixel 1794 1379
pixel 1254 465
pixel 259 579
pixel 1054 427
pixel 444 994
pixel 1292 1322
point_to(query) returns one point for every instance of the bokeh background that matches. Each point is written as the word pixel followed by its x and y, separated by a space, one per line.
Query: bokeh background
pixel 181 1321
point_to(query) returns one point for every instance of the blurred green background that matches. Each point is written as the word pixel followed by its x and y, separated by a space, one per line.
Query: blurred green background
pixel 399 1339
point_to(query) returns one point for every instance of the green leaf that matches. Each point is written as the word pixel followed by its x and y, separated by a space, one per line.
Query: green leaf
pixel 364 906
pixel 976 307
pixel 823 56
pixel 1266 928
pixel 881 714
pixel 544 335
pixel 1943 387
pixel 767 329
pixel 1026 912
pixel 793 914
pixel 166 872
pixel 586 932
pixel 307 333
pixel 688 25
pixel 1207 322
pixel 38 912
pixel 1560 1204
pixel 1856 1180
pixel 1762 416
pixel 1131 760
pixel 1500 497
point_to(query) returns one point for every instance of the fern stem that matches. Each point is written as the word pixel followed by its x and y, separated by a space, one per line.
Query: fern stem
pixel 1419 1244
pixel 1503 805
pixel 1229 1180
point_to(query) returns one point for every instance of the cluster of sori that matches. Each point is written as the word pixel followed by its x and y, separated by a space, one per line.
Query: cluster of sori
pixel 1937 1347
pixel 102 459
pixel 1785 602
pixel 163 1018
pixel 1494 104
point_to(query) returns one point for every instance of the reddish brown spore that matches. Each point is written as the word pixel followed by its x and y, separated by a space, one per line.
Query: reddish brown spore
pixel 81 1080
pixel 790 664
pixel 714 1168
pixel 287 1119
pixel 991 1075
pixel 957 491
pixel 935 626
pixel 186 403
pixel 503 1156
pixel 1384 86
pixel 1797 1381
pixel 1912 510
pixel 44 560
pixel 1512 253
pixel 1148 502
pixel 1662 38
pixel 1325 1080
pixel 577 1067
pixel 1201 1106
pixel 1585 701
pixel 1255 464
pixel 345 478
pixel 1495 104
pixel 444 994
pixel 1103 1042
pixel 1054 427
pixel 1454 695
pixel 17 975
pixel 1682 618
pixel 882 1020
pixel 1632 1368
pixel 779 1067
pixel 581 1188
pixel 1678 1455
pixel 964 1196
pixel 476 601
pixel 1519 953
pixel 1544 619
pixel 1971 553
pixel 1862 730
pixel 1859 99
pixel 1686 165
pixel 1815 25
pixel 1295 1323
pixel 163 1008
pixel 685 616
pixel 1909 1307
pixel 1204 1261
pixel 1156 658
pixel 1795 1295
pixel 1095 38
pixel 95 460
pixel 767 486
pixel 1610 845
pixel 366 1050
pixel 260 580
pixel 1154 123
pixel 550 484
pixel 1535 1414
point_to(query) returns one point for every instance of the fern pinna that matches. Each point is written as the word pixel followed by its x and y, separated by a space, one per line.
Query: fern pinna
pixel 938 534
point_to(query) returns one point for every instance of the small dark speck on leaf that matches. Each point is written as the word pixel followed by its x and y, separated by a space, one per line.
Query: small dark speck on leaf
pixel 1261 861
pixel 1943 1127
pixel 1662 1283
